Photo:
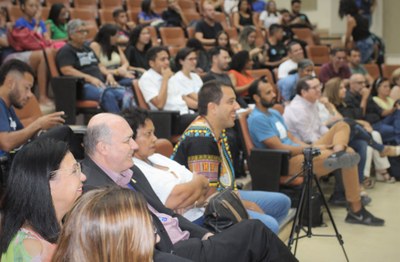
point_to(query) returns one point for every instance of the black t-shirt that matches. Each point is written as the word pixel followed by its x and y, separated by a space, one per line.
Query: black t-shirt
pixel 84 60
pixel 136 57
pixel 361 30
pixel 223 78
pixel 276 52
pixel 209 32
pixel 351 108
pixel 172 18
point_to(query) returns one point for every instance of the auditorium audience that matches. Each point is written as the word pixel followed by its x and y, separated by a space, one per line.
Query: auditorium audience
pixel 354 57
pixel 269 16
pixel 203 61
pixel 125 27
pixel 395 79
pixel 173 16
pixel 108 224
pixel 223 40
pixel 247 41
pixel 268 130
pixel 220 60
pixel 139 44
pixel 244 16
pixel 108 134
pixel 57 22
pixel 44 182
pixel 147 16
pixel 276 49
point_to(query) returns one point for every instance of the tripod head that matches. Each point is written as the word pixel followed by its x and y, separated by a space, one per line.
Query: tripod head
pixel 309 153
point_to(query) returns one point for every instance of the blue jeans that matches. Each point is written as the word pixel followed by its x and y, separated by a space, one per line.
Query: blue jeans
pixel 359 132
pixel 389 127
pixel 275 206
pixel 110 98
pixel 366 47
pixel 360 146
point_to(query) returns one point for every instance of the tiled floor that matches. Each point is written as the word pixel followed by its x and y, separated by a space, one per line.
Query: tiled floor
pixel 362 243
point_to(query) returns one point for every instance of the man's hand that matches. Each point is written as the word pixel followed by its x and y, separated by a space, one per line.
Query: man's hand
pixel 166 73
pixel 365 92
pixel 207 235
pixel 48 121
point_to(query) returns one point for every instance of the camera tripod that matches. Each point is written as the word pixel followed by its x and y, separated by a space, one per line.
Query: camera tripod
pixel 305 199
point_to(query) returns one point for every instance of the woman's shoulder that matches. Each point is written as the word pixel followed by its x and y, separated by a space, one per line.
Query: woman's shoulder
pixel 25 246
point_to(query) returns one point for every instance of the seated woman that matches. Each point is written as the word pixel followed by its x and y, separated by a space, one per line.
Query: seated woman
pixel 57 22
pixel 188 82
pixel 222 39
pixel 203 61
pixel 243 17
pixel 176 187
pixel 386 110
pixel 269 16
pixel 240 77
pixel 395 92
pixel 113 62
pixel 31 20
pixel 334 94
pixel 139 43
pixel 108 224
pixel 51 180
pixel 247 41
pixel 147 16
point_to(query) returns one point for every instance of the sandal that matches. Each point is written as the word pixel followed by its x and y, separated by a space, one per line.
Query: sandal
pixel 385 177
pixel 368 183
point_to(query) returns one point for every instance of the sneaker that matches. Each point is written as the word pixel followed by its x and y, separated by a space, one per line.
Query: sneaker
pixel 363 217
pixel 341 159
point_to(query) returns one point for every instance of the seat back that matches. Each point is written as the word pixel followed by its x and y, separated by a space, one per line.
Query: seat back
pixel 319 54
pixel 190 17
pixel 164 147
pixel 232 32
pixel 373 70
pixel 139 96
pixel 221 18
pixel 304 34
pixel 388 70
pixel 30 112
pixel 106 16
pixel 245 134
pixel 90 4
pixel 160 6
pixel 187 5
pixel 173 36
pixel 110 4
pixel 66 3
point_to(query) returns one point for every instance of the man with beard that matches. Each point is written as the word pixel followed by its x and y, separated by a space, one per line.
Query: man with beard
pixel 207 28
pixel 16 82
pixel 268 130
pixel 204 149
pixel 337 67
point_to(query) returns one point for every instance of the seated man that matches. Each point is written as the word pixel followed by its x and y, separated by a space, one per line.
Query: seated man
pixel 16 82
pixel 207 28
pixel 79 60
pixel 109 147
pixel 354 57
pixel 295 52
pixel 337 67
pixel 125 27
pixel 204 149
pixel 287 85
pixel 157 90
pixel 268 130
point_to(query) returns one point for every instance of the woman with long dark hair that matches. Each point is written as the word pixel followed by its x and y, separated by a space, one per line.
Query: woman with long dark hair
pixel 139 43
pixel 240 77
pixel 244 16
pixel 147 16
pixel 57 22
pixel 42 186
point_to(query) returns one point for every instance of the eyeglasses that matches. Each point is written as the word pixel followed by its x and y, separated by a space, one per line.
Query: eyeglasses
pixel 82 31
pixel 76 170
pixel 317 87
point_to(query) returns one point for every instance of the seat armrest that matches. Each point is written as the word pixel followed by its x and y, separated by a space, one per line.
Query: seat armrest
pixel 167 122
pixel 266 166
pixel 65 89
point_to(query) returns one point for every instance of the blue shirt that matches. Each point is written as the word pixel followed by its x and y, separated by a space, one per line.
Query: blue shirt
pixel 9 122
pixel 287 86
pixel 22 22
pixel 263 126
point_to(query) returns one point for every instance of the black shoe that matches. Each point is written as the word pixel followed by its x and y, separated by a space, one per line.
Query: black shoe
pixel 341 159
pixel 364 217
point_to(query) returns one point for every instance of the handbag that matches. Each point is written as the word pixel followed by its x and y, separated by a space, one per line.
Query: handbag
pixel 223 210
pixel 23 39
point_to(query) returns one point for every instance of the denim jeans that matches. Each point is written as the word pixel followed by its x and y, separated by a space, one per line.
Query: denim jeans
pixel 275 206
pixel 389 127
pixel 366 47
pixel 360 146
pixel 359 132
pixel 110 98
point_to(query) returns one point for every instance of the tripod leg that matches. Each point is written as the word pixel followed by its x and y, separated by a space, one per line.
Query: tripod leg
pixel 297 218
pixel 338 235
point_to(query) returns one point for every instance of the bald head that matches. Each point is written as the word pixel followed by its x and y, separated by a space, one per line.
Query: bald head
pixel 100 128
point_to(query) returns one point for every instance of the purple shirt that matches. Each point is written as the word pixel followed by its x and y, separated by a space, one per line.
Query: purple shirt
pixel 327 72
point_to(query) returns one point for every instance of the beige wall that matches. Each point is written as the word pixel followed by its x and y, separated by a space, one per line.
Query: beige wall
pixel 390 29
